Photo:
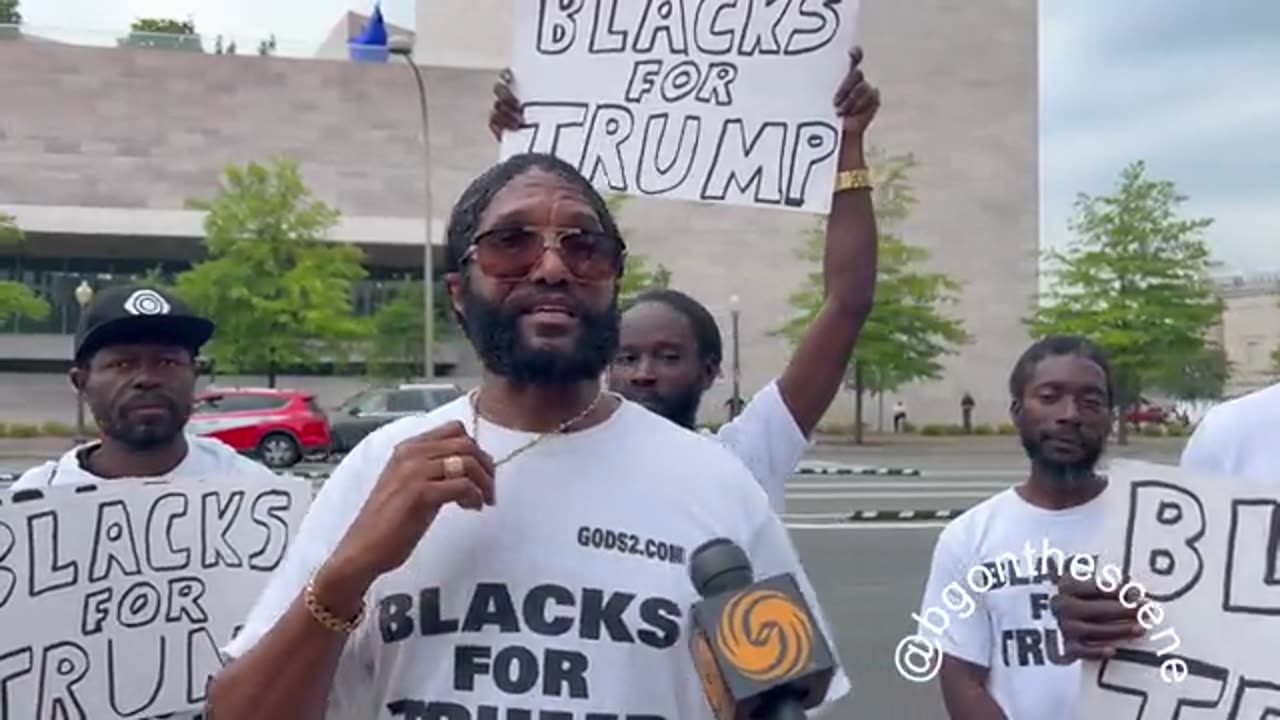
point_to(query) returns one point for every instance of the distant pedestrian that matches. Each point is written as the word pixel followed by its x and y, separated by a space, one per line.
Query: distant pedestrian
pixel 899 416
pixel 966 412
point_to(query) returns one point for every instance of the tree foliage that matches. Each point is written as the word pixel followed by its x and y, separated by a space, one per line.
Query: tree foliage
pixel 1202 376
pixel 16 299
pixel 1275 361
pixel 163 33
pixel 398 328
pixel 9 13
pixel 1137 282
pixel 639 275
pixel 279 292
pixel 908 331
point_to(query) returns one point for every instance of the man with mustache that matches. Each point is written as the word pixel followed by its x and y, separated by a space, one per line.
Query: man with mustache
pixel 671 350
pixel 986 603
pixel 521 551
pixel 135 368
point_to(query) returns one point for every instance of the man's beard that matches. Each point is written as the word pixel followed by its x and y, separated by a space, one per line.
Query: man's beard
pixel 145 435
pixel 495 334
pixel 680 408
pixel 1065 472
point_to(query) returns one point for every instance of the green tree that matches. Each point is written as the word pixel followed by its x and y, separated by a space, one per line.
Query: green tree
pixel 279 292
pixel 16 299
pixel 9 13
pixel 1202 376
pixel 398 328
pixel 639 275
pixel 163 33
pixel 908 332
pixel 1136 281
pixel 1275 361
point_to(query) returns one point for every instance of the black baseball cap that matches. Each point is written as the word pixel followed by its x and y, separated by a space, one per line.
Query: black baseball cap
pixel 130 313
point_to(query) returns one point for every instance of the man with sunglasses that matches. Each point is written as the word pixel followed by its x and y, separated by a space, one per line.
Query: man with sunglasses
pixel 671 350
pixel 520 552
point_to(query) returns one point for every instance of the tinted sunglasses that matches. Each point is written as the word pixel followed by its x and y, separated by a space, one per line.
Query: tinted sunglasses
pixel 511 253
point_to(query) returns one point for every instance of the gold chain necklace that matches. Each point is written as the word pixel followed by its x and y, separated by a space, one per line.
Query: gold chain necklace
pixel 559 429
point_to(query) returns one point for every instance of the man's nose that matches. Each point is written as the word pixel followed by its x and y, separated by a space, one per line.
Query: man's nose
pixel 644 374
pixel 551 268
pixel 1069 411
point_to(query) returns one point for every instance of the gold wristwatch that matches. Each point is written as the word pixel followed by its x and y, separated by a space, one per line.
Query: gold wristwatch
pixel 859 179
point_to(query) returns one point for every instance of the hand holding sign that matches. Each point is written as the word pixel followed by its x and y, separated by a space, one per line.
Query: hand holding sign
pixel 424 473
pixel 1092 620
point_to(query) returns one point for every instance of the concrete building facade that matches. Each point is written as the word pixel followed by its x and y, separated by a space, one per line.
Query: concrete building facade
pixel 101 148
pixel 1250 330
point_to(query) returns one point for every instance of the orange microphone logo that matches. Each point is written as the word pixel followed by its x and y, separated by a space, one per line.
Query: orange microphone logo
pixel 765 635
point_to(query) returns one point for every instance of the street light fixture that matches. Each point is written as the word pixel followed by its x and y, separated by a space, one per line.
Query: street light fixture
pixel 83 294
pixel 403 47
pixel 735 403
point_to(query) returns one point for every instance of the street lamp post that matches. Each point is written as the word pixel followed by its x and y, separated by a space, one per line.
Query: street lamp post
pixel 403 47
pixel 83 294
pixel 735 403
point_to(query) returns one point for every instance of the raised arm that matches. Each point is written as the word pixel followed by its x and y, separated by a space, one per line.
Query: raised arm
pixel 817 369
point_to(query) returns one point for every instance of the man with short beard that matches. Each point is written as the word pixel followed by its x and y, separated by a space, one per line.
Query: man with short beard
pixel 986 603
pixel 520 552
pixel 135 368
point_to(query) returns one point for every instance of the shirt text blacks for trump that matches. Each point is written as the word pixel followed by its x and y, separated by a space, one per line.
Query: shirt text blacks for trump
pixel 675 125
pixel 513 669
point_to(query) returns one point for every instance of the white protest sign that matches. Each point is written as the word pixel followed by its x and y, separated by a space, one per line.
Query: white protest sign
pixel 709 100
pixel 1205 549
pixel 115 598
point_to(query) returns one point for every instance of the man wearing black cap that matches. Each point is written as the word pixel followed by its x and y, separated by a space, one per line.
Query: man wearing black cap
pixel 135 367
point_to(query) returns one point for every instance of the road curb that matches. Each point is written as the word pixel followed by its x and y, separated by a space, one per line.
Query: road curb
pixel 903 515
pixel 850 470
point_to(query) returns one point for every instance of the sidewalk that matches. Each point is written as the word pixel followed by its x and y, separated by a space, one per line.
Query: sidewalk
pixel 39 447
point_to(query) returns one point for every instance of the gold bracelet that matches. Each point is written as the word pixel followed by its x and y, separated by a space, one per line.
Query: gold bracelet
pixel 326 617
pixel 859 179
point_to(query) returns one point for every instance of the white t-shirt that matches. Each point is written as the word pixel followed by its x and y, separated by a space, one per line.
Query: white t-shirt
pixel 206 458
pixel 1238 437
pixel 1009 628
pixel 571 594
pixel 766 438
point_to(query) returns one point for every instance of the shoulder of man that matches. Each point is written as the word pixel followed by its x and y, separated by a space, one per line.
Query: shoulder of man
pixel 38 476
pixel 968 527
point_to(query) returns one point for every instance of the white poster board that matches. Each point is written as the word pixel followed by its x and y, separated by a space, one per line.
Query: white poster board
pixel 1207 551
pixel 708 100
pixel 115 598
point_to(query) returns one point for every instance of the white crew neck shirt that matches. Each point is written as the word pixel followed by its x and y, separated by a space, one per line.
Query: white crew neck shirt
pixel 766 438
pixel 1238 437
pixel 1010 629
pixel 570 596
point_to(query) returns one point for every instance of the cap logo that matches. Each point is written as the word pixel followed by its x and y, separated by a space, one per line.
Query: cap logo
pixel 146 302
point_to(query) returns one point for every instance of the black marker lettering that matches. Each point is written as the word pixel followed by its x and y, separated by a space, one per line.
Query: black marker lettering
pixel 1138 674
pixel 550 121
pixel 680 81
pixel 8 578
pixel 1255 700
pixel 268 512
pixel 139 605
pixel 753 166
pixel 710 35
pixel 642 79
pixel 611 126
pixel 557 25
pixel 132 663
pixel 823 25
pixel 220 514
pixel 715 84
pixel 13 665
pixel 605 36
pixel 665 17
pixel 113 543
pixel 656 175
pixel 164 513
pixel 1254 534
pixel 815 142
pixel 48 573
pixel 62 667
pixel 1165 526
pixel 203 662
pixel 760 33
pixel 185 594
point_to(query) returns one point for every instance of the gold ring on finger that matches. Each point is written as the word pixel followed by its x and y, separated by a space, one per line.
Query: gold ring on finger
pixel 453 467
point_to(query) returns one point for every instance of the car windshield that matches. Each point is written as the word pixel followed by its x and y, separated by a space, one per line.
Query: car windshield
pixel 207 405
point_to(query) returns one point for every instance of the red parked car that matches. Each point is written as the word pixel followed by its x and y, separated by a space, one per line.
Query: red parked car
pixel 278 427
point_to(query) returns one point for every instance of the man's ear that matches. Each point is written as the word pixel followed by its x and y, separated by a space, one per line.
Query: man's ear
pixel 453 282
pixel 77 375
pixel 710 371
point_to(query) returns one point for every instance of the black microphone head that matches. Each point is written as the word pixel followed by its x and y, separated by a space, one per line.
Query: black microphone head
pixel 718 566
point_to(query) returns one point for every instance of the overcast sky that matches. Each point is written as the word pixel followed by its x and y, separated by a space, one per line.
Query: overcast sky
pixel 1190 86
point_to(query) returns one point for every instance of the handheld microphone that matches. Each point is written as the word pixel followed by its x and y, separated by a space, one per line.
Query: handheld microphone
pixel 758 648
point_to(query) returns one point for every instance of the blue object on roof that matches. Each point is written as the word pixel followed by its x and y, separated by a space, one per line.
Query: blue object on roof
pixel 371 44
